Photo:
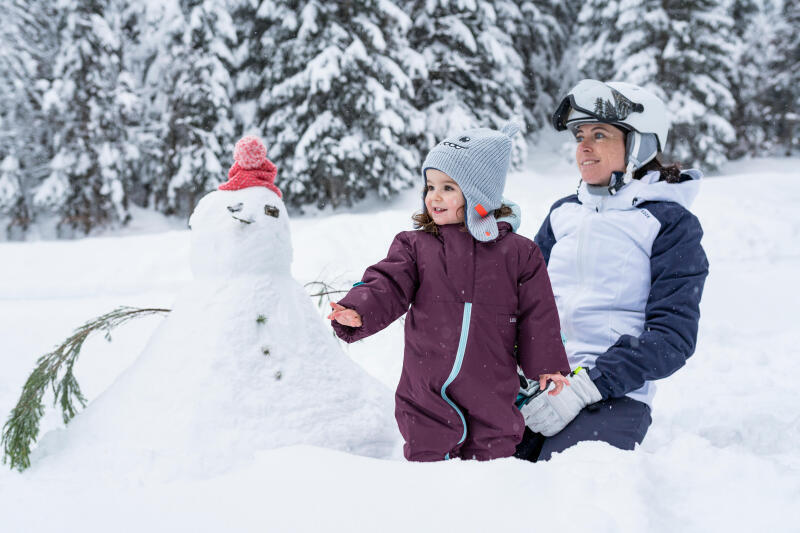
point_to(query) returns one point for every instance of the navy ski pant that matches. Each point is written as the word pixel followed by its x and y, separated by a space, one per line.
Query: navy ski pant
pixel 621 422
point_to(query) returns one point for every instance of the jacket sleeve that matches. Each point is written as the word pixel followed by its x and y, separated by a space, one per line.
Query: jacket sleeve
pixel 678 269
pixel 384 293
pixel 545 239
pixel 539 346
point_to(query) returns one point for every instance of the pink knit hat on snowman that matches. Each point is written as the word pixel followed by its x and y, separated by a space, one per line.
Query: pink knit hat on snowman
pixel 251 168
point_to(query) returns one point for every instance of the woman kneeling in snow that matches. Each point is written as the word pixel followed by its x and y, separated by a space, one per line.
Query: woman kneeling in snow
pixel 627 271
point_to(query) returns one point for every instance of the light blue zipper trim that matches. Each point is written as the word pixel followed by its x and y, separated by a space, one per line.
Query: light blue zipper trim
pixel 462 347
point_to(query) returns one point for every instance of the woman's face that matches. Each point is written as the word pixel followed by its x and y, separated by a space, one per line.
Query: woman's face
pixel 600 151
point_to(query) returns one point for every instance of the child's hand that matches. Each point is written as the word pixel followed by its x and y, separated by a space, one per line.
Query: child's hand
pixel 558 379
pixel 345 316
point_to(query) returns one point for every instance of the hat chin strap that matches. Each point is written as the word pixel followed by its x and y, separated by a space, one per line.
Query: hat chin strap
pixel 620 179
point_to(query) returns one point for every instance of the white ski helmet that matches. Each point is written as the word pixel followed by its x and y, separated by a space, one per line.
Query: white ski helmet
pixel 634 109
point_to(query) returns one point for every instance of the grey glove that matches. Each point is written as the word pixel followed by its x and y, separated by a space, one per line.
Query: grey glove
pixel 548 415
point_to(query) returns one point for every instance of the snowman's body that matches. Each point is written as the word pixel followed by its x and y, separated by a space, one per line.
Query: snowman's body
pixel 243 362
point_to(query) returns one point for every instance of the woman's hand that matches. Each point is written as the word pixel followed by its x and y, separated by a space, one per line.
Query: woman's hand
pixel 345 316
pixel 548 415
pixel 558 379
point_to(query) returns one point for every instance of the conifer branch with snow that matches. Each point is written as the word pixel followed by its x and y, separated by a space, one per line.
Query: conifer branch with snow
pixel 55 370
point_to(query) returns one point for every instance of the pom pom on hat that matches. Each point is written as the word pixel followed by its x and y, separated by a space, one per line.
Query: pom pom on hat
pixel 251 168
pixel 250 152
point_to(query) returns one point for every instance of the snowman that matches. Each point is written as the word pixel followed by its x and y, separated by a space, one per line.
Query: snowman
pixel 243 363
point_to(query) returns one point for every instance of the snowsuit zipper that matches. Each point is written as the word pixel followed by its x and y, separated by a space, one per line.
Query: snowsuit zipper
pixel 462 347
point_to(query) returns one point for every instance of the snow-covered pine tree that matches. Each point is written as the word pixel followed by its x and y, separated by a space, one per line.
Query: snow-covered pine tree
pixel 684 52
pixel 141 33
pixel 595 36
pixel 541 35
pixel 87 106
pixel 638 41
pixel 190 108
pixel 10 98
pixel 784 122
pixel 336 108
pixel 146 39
pixel 752 84
pixel 252 20
pixel 28 43
pixel 473 75
pixel 698 68
pixel 13 203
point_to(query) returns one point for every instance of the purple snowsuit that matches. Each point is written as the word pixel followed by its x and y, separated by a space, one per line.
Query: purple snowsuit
pixel 470 302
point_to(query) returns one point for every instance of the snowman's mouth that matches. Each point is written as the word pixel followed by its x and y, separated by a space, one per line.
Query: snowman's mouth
pixel 242 220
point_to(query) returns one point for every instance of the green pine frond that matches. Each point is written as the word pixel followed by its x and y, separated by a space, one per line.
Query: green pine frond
pixel 55 369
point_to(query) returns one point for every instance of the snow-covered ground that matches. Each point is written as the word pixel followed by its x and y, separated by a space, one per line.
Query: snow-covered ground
pixel 723 453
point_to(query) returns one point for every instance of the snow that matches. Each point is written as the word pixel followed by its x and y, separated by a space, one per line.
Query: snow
pixel 373 31
pixel 309 25
pixel 106 37
pixel 396 14
pixel 459 32
pixel 52 190
pixel 721 455
pixel 8 182
pixel 322 70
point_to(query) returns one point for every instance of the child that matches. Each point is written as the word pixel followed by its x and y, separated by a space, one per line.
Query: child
pixel 477 293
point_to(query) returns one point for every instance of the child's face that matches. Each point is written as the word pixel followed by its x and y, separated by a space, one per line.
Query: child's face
pixel 443 198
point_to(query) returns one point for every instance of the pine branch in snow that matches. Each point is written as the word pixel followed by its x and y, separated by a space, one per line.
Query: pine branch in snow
pixel 324 289
pixel 55 370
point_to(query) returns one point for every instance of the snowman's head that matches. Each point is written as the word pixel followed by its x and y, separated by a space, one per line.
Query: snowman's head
pixel 240 232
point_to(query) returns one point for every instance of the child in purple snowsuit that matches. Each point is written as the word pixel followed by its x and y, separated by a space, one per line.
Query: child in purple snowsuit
pixel 479 303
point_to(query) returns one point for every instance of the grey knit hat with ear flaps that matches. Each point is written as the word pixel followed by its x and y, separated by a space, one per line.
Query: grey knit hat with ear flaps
pixel 477 160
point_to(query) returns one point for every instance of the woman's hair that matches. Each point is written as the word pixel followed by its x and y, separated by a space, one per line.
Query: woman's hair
pixel 424 220
pixel 670 173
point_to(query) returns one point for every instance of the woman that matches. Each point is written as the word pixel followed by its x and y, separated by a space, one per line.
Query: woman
pixel 627 270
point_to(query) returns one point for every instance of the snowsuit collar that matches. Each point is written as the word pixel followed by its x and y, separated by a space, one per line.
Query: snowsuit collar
pixel 503 228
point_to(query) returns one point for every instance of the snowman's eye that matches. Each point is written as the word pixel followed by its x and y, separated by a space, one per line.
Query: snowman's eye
pixel 236 207
pixel 272 211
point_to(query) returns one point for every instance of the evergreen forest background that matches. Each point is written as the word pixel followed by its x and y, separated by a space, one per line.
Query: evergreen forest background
pixel 106 104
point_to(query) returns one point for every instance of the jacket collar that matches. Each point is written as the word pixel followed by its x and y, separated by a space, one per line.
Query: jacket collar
pixel 647 189
pixel 503 228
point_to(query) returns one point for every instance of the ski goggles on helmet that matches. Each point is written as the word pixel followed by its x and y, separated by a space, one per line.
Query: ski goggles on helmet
pixel 594 101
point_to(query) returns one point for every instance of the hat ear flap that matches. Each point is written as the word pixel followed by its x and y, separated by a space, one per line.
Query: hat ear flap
pixel 640 148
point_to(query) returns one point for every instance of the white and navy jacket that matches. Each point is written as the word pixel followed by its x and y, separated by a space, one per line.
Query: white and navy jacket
pixel 627 272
